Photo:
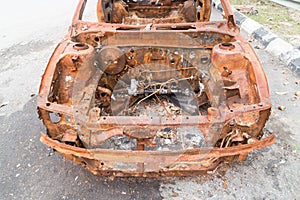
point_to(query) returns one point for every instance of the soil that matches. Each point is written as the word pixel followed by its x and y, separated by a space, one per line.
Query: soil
pixel 281 20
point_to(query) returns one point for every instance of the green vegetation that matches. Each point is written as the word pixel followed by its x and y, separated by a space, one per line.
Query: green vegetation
pixel 281 20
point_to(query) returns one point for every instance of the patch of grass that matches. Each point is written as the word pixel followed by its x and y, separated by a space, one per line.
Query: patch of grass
pixel 281 20
pixel 294 148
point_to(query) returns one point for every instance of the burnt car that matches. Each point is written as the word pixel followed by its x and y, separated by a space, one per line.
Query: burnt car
pixel 154 88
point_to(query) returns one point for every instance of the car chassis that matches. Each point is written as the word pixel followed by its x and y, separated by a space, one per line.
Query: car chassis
pixel 154 89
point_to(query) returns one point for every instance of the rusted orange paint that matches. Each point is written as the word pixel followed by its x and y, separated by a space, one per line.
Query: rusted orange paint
pixel 101 79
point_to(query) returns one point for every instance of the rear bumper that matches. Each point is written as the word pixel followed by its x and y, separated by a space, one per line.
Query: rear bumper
pixel 153 163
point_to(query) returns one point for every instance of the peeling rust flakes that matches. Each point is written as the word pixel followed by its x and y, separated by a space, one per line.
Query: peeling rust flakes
pixel 154 89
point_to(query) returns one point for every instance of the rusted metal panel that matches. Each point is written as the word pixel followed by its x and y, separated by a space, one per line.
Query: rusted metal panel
pixel 154 89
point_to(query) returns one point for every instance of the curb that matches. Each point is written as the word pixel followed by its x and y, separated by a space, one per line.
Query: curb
pixel 276 46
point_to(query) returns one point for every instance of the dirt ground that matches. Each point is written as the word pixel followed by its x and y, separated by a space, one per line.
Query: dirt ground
pixel 281 20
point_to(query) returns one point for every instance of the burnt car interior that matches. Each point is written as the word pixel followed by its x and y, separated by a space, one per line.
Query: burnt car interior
pixel 156 86
pixel 153 11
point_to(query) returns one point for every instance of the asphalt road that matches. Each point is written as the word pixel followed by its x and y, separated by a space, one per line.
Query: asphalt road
pixel 29 170
pixel 295 4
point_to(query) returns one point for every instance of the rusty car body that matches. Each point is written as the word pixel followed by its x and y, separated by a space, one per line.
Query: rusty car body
pixel 154 88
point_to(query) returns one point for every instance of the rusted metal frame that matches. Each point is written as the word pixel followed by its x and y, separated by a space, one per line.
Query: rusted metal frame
pixel 189 155
pixel 138 7
pixel 165 169
pixel 142 26
pixel 195 169
pixel 261 80
pixel 144 121
pixel 79 11
pixel 82 3
pixel 227 8
pixel 137 43
pixel 58 108
pixel 81 6
pixel 199 26
pixel 120 121
pixel 113 32
pixel 100 15
pixel 212 30
pixel 165 121
pixel 206 8
pixel 45 88
pixel 229 15
pixel 47 78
